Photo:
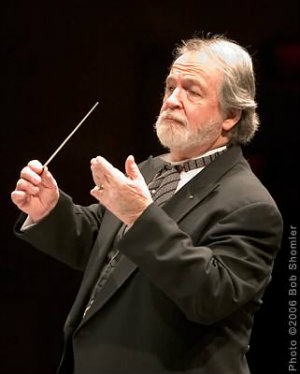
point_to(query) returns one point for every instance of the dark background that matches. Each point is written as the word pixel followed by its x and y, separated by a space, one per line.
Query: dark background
pixel 56 62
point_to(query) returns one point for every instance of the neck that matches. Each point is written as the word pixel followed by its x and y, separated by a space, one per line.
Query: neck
pixel 176 155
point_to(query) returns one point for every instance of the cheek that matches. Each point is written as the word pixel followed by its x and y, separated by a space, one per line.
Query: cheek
pixel 194 117
pixel 203 114
pixel 163 106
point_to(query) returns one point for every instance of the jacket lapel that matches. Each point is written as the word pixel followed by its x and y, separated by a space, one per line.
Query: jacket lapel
pixel 120 274
pixel 203 184
pixel 108 230
pixel 187 198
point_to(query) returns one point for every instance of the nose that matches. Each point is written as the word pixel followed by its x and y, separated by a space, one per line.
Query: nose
pixel 173 101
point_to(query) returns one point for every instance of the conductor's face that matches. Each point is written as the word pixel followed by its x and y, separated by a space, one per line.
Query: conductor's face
pixel 191 120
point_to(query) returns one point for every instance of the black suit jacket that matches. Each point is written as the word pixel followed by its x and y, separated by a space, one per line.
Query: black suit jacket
pixel 190 278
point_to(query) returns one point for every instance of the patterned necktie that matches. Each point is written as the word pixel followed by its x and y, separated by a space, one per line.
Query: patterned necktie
pixel 165 182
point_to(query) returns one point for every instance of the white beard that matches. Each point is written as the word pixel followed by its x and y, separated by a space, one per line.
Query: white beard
pixel 173 132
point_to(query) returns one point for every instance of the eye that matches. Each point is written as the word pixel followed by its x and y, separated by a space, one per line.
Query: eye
pixel 194 93
pixel 169 90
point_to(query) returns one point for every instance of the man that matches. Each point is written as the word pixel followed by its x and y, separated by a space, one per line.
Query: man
pixel 171 284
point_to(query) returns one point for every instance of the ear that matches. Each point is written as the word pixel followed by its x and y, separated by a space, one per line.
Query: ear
pixel 232 117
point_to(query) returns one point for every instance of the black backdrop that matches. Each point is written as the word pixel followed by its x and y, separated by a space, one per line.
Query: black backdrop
pixel 56 61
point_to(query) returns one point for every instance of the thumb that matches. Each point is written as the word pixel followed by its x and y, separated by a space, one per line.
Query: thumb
pixel 132 169
pixel 47 178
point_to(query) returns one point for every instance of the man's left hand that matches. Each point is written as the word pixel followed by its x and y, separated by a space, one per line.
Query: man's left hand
pixel 125 196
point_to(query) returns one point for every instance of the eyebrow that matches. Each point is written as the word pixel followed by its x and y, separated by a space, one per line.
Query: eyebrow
pixel 169 78
pixel 189 80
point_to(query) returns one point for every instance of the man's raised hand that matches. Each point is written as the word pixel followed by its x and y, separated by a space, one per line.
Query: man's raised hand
pixel 36 192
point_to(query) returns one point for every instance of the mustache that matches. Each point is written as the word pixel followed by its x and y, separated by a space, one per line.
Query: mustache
pixel 168 115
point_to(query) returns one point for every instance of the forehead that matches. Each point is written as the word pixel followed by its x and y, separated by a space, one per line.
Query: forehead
pixel 196 65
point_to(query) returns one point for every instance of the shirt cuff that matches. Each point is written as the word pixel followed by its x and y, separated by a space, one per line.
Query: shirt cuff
pixel 27 224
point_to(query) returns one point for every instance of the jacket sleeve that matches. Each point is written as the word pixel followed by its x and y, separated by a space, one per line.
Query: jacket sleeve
pixel 67 233
pixel 210 279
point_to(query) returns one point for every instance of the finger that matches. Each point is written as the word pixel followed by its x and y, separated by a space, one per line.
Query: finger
pixel 26 186
pixel 39 171
pixel 106 171
pixel 132 169
pixel 98 172
pixel 98 177
pixel 36 166
pixel 18 197
pixel 27 173
pixel 103 169
pixel 96 193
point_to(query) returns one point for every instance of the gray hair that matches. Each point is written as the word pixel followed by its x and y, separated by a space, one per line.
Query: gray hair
pixel 238 87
